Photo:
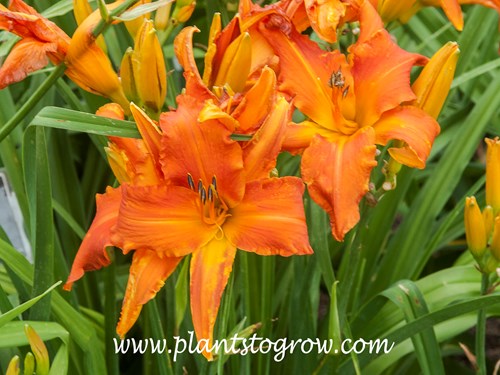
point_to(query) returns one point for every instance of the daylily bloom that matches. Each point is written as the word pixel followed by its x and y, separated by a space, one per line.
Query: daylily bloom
pixel 352 104
pixel 403 10
pixel 206 198
pixel 233 89
pixel 42 40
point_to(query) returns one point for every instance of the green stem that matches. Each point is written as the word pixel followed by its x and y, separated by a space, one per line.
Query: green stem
pixel 162 360
pixel 32 101
pixel 481 329
pixel 103 24
pixel 110 318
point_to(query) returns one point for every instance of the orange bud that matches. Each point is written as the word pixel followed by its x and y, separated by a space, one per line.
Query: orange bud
pixel 493 174
pixel 39 350
pixel 475 232
pixel 495 240
pixel 183 10
pixel 13 368
pixel 134 25
pixel 489 220
pixel 149 68
pixel 433 83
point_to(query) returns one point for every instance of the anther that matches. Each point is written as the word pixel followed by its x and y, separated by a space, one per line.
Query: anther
pixel 203 195
pixel 211 193
pixel 200 186
pixel 345 92
pixel 214 183
pixel 190 182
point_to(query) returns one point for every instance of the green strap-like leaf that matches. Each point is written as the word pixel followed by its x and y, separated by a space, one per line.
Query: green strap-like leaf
pixel 11 314
pixel 410 300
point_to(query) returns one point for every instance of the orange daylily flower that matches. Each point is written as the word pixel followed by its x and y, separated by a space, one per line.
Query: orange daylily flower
pixel 42 40
pixel 232 90
pixel 352 104
pixel 206 198
pixel 403 10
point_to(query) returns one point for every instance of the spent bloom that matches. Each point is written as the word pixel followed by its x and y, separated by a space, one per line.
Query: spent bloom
pixel 42 40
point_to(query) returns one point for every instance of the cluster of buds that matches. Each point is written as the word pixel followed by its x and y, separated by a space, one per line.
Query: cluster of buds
pixel 143 71
pixel 38 357
pixel 482 229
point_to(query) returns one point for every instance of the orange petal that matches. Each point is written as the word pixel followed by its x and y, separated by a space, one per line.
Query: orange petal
pixel 129 158
pixel 257 102
pixel 210 269
pixel 215 29
pixel 92 252
pixel 411 125
pixel 111 110
pixel 453 12
pixel 207 150
pixel 89 67
pixel 381 72
pixel 222 42
pixel 131 162
pixel 183 47
pixel 26 22
pixel 370 21
pixel 270 220
pixel 299 136
pixel 27 56
pixel 150 132
pixel 212 111
pixel 166 219
pixel 337 174
pixel 300 63
pixel 260 153
pixel 148 273
pixel 262 53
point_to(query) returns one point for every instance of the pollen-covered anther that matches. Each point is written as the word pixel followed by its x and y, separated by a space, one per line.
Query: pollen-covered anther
pixel 203 195
pixel 190 181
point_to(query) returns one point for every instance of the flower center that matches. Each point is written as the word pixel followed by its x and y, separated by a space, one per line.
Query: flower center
pixel 213 209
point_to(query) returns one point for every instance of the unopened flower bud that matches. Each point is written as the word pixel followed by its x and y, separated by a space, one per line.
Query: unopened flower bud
pixel 495 240
pixel 13 368
pixel 433 83
pixel 149 68
pixel 39 350
pixel 489 220
pixel 162 17
pixel 475 232
pixel 183 10
pixel 493 174
pixel 29 364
